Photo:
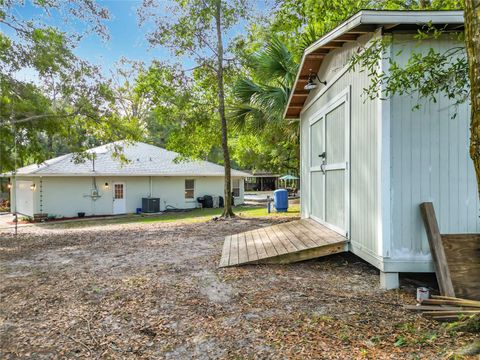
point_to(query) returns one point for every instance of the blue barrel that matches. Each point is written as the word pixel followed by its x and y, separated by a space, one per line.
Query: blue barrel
pixel 280 198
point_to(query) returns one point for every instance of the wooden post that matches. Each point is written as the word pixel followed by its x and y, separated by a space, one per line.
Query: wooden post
pixel 436 248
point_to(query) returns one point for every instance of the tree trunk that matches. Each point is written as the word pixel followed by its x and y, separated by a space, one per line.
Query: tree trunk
pixel 472 45
pixel 227 210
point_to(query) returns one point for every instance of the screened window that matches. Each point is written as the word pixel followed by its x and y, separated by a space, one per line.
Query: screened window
pixel 236 187
pixel 189 189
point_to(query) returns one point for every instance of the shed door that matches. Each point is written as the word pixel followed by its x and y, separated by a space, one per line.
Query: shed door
pixel 329 156
pixel 317 177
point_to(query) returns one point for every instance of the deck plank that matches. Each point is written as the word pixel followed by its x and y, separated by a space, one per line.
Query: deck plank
pixel 329 235
pixel 259 245
pixel 298 243
pixel 284 239
pixel 234 251
pixel 224 261
pixel 301 235
pixel 282 243
pixel 307 233
pixel 242 249
pixel 251 249
pixel 318 238
pixel 267 243
pixel 279 247
pixel 294 235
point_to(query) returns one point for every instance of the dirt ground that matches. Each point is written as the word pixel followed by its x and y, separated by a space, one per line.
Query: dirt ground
pixel 153 291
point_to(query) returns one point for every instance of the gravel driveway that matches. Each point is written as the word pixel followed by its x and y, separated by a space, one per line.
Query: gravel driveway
pixel 153 291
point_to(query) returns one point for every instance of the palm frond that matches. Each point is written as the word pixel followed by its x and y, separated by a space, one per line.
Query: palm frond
pixel 242 116
pixel 244 89
pixel 311 34
pixel 262 99
pixel 272 100
pixel 275 62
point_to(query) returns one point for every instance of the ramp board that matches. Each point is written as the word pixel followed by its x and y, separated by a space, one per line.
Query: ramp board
pixel 282 244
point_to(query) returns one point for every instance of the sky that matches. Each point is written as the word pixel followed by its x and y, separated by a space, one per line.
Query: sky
pixel 127 38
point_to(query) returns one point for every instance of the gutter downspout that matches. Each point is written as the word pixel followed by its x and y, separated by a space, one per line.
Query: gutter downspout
pixel 150 183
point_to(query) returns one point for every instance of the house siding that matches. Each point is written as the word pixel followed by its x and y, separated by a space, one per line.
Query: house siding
pixel 66 196
pixel 364 205
pixel 430 162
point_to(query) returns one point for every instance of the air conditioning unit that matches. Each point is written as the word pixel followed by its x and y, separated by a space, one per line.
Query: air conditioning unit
pixel 150 205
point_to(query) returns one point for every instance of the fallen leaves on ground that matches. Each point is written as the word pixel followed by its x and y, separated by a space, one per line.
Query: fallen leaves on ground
pixel 153 291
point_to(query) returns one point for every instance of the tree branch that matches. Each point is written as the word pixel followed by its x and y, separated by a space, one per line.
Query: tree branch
pixel 37 117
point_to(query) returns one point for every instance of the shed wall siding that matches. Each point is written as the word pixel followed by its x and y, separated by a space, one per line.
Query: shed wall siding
pixel 363 151
pixel 430 162
pixel 66 196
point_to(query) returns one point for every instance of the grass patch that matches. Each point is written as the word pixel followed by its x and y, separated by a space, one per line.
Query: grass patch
pixel 207 214
pixel 196 215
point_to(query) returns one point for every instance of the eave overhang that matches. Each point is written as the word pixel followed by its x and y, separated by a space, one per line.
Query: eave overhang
pixel 365 21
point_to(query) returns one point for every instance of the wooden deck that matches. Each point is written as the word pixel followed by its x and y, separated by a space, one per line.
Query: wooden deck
pixel 281 244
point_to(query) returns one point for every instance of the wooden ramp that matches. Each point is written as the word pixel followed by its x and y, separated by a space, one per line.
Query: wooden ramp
pixel 281 244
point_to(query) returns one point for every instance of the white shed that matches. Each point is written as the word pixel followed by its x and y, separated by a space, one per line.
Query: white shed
pixel 105 186
pixel 366 165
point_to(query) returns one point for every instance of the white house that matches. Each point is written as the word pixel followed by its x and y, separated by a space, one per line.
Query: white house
pixel 366 165
pixel 106 186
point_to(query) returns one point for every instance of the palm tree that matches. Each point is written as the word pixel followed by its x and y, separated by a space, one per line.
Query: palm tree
pixel 262 98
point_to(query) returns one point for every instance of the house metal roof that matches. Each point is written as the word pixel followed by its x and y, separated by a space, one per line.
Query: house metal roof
pixel 143 160
pixel 365 21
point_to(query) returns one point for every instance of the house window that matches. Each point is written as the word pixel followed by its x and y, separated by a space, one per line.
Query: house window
pixel 189 189
pixel 118 191
pixel 236 187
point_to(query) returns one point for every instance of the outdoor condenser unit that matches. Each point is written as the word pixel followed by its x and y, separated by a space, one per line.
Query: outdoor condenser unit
pixel 150 205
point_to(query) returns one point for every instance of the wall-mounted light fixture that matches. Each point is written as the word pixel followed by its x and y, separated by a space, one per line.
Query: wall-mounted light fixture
pixel 311 81
pixel 9 185
pixel 106 185
pixel 33 187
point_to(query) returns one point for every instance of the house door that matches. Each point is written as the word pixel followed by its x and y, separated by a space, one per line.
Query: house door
pixel 329 157
pixel 119 202
pixel 24 198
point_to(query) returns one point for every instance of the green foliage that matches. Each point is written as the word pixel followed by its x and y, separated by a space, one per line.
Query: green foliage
pixel 400 341
pixel 67 106
pixel 468 323
pixel 269 151
pixel 262 97
pixel 265 140
pixel 182 116
pixel 269 54
pixel 199 31
pixel 427 74
pixel 298 23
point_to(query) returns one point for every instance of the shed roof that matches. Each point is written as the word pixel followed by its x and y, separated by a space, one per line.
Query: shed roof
pixel 144 160
pixel 363 22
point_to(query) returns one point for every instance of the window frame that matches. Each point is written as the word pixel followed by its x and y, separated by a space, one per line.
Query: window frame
pixel 189 189
pixel 233 187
